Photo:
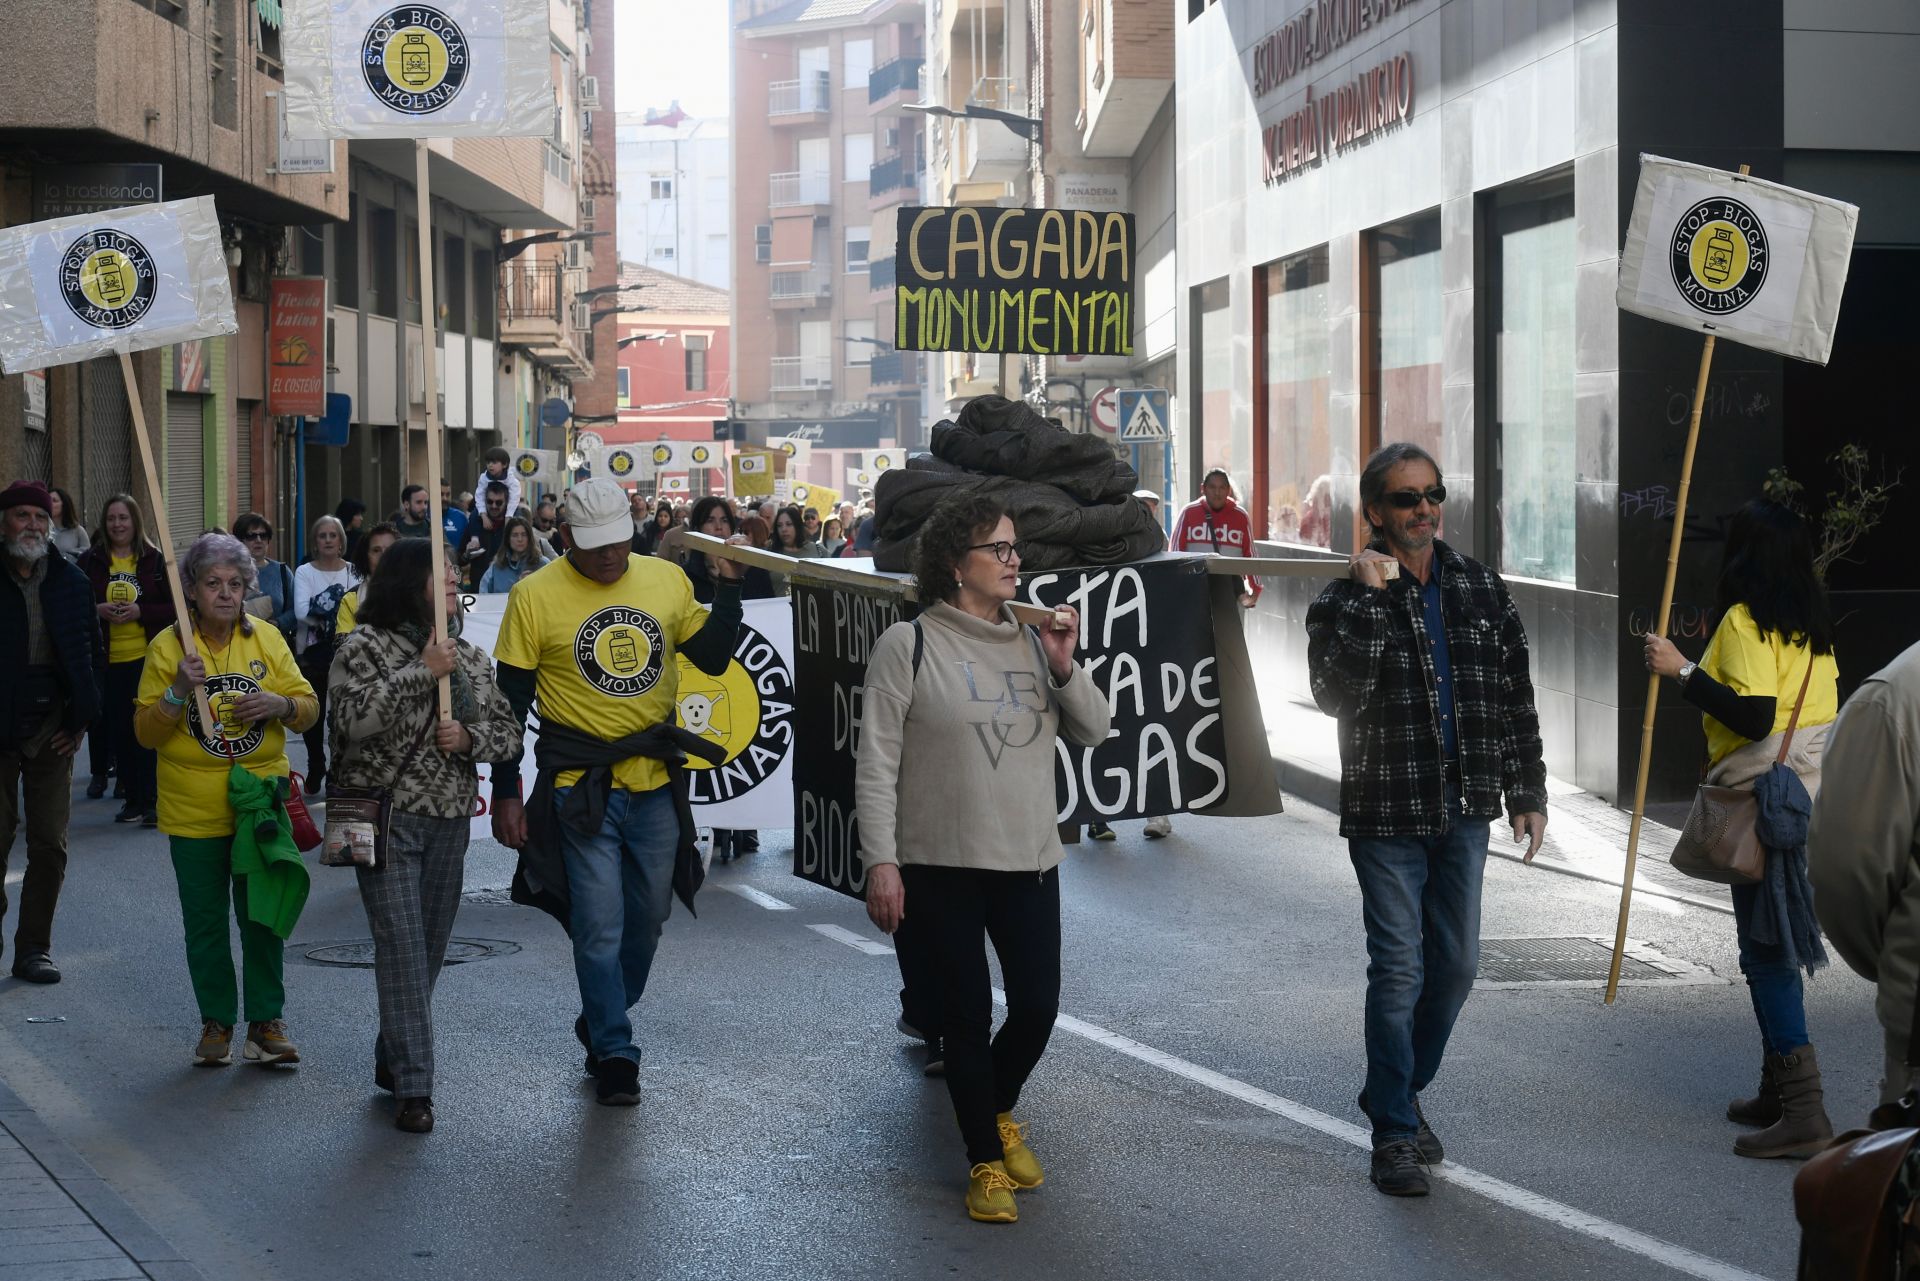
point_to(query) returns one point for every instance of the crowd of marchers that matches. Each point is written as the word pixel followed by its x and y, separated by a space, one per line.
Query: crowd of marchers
pixel 1418 651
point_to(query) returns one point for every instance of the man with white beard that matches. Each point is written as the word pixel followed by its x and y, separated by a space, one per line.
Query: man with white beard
pixel 51 650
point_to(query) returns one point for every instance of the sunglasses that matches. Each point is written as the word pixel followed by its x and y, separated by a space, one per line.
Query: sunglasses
pixel 257 536
pixel 1002 551
pixel 1408 499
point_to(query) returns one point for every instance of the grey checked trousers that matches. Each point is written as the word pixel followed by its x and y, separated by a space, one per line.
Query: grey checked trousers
pixel 410 905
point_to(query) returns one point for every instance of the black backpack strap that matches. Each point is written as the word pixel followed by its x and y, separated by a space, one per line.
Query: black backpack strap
pixel 919 646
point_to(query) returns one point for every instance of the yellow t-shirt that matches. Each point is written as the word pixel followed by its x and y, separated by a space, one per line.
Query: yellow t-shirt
pixel 1764 665
pixel 193 764
pixel 604 652
pixel 349 611
pixel 126 642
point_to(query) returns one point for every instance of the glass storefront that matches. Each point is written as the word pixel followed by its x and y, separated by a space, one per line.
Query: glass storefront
pixel 1213 368
pixel 1406 267
pixel 1295 370
pixel 1532 261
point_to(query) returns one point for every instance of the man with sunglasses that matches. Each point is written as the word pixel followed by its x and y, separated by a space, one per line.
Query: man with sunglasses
pixel 1427 670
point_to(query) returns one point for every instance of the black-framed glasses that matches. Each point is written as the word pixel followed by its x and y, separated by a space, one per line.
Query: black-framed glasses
pixel 1002 551
pixel 1408 499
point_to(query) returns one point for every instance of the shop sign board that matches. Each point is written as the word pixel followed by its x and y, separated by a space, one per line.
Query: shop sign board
pixel 297 346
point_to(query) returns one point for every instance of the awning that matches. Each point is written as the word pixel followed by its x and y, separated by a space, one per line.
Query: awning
pixel 269 12
pixel 793 241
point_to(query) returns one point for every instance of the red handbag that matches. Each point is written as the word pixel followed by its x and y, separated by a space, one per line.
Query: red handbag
pixel 305 835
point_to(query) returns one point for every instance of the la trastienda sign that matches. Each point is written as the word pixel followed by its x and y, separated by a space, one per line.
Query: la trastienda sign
pixel 1377 99
pixel 1025 281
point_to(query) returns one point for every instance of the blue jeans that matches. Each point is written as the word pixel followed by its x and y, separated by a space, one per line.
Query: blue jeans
pixel 1774 985
pixel 621 882
pixel 1421 899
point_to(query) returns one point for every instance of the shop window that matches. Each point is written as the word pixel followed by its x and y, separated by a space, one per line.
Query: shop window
pixel 1213 374
pixel 1532 358
pixel 1296 372
pixel 1405 263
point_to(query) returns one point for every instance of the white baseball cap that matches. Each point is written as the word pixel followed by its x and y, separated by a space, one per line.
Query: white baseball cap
pixel 599 513
pixel 1146 495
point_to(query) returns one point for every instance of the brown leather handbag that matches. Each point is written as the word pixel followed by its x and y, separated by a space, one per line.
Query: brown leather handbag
pixel 1858 1202
pixel 1720 842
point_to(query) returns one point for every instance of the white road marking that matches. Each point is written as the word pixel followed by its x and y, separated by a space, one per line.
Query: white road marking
pixel 764 899
pixel 1676 1257
pixel 856 941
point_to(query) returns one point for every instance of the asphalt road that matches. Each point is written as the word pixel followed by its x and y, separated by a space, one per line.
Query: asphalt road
pixel 786 1130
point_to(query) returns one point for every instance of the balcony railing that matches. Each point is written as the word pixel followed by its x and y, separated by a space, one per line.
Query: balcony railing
pixel 895 173
pixel 802 373
pixel 880 273
pixel 797 97
pixel 892 77
pixel 789 285
pixel 798 189
pixel 894 369
pixel 533 291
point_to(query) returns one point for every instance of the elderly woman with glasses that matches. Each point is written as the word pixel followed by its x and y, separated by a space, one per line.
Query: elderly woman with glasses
pixel 275 579
pixel 955 885
pixel 222 795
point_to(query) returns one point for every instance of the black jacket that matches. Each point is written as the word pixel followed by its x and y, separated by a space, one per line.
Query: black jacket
pixel 79 653
pixel 156 600
pixel 1370 666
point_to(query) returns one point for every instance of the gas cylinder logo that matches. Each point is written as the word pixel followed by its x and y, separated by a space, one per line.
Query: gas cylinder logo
pixel 108 278
pixel 1719 256
pixel 528 465
pixel 415 59
pixel 620 651
pixel 620 463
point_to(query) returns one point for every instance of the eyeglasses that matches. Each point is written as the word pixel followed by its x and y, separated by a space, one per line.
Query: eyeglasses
pixel 1002 551
pixel 1408 499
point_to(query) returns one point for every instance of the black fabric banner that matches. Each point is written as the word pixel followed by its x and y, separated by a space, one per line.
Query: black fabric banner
pixel 1033 281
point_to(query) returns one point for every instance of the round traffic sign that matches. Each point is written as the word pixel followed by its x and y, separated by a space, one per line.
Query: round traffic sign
pixel 1104 410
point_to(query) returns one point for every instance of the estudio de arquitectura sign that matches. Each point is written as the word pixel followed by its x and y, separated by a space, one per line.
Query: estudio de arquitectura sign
pixel 1378 98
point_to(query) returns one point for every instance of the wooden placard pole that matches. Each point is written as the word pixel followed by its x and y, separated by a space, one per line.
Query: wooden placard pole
pixel 1304 567
pixel 430 367
pixel 188 648
pixel 1653 679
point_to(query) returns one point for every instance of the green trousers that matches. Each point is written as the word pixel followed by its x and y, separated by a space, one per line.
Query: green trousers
pixel 203 867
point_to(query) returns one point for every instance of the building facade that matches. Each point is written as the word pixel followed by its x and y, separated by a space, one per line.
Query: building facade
pixel 1401 219
pixel 674 351
pixel 676 202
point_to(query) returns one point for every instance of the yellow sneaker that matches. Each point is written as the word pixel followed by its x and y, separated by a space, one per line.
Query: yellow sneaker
pixel 1022 1166
pixel 990 1194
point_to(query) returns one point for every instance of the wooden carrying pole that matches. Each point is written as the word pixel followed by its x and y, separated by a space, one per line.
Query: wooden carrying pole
pixel 430 368
pixel 1653 678
pixel 187 646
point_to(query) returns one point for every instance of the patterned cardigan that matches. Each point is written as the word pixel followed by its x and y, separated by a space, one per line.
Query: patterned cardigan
pixel 382 697
pixel 1370 666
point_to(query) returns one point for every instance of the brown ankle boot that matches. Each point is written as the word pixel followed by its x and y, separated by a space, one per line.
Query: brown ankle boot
pixel 1803 1128
pixel 1763 1108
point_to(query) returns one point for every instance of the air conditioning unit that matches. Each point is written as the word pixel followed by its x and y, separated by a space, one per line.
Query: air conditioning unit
pixel 582 319
pixel 590 93
pixel 763 253
pixel 763 234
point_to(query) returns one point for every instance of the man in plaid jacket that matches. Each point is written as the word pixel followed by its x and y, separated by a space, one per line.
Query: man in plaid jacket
pixel 1427 673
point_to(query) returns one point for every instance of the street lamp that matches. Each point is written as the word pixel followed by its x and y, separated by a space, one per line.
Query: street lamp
pixel 1026 127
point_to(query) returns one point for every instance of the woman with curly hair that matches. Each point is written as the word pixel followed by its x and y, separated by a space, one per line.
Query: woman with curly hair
pixel 963 707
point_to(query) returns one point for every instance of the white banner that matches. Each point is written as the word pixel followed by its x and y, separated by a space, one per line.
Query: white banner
pixel 680 486
pixel 623 463
pixel 446 69
pixel 879 460
pixel 859 478
pixel 748 709
pixel 798 450
pixel 1737 256
pixel 683 455
pixel 122 280
pixel 537 466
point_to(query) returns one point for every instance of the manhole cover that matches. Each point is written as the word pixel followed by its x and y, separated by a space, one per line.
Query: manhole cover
pixel 1581 961
pixel 358 953
pixel 495 898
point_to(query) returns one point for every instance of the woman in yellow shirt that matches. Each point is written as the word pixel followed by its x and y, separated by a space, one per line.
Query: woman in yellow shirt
pixel 131 597
pixel 256 693
pixel 1774 640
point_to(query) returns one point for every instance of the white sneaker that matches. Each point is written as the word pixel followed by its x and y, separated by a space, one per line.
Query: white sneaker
pixel 1158 826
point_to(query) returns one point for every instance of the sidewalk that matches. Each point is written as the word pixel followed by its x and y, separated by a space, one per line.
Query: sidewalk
pixel 59 1221
pixel 1586 836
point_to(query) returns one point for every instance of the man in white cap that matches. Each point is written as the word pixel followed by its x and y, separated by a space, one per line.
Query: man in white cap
pixel 606 838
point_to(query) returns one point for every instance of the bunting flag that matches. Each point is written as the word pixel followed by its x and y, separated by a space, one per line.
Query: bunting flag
pixel 702 454
pixel 1737 257
pixel 623 463
pixel 675 486
pixel 798 451
pixel 684 455
pixel 122 280
pixel 537 466
pixel 446 69
pixel 879 460
pixel 752 476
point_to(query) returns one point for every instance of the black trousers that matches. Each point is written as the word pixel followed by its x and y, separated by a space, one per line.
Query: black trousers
pixel 136 763
pixel 316 664
pixel 956 911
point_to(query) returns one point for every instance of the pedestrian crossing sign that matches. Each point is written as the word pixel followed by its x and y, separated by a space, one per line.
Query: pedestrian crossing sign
pixel 1143 415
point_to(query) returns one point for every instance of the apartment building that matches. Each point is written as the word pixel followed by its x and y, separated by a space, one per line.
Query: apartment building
pixel 676 194
pixel 674 353
pixel 93 93
pixel 823 155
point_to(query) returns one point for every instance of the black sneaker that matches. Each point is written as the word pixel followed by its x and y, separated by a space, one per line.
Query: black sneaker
pixel 1424 1138
pixel 120 790
pixel 616 1082
pixel 131 812
pixel 1397 1170
pixel 97 788
pixel 150 819
pixel 936 1064
pixel 1099 832
pixel 592 1065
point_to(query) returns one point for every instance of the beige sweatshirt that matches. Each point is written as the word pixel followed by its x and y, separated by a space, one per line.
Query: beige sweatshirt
pixel 956 765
